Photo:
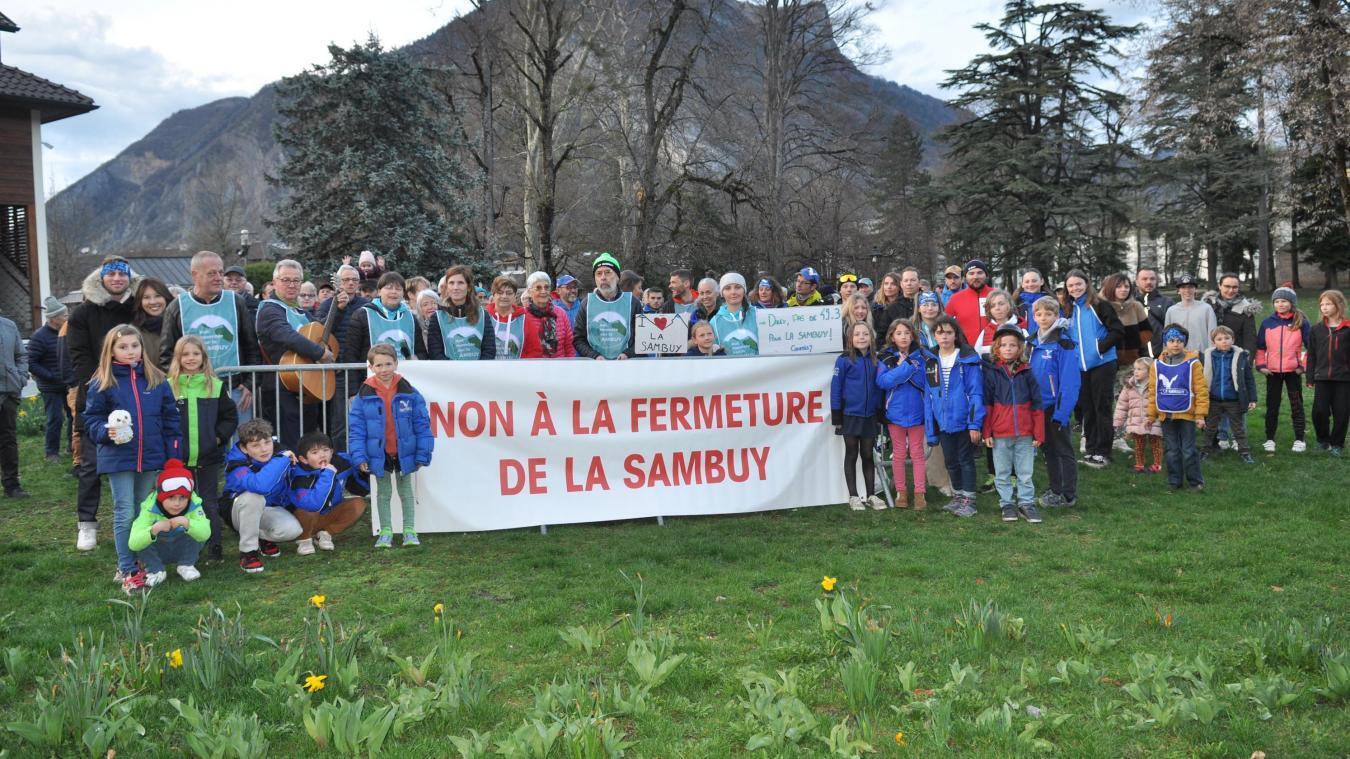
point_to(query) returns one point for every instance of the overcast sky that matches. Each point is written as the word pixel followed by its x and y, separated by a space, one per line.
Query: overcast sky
pixel 142 60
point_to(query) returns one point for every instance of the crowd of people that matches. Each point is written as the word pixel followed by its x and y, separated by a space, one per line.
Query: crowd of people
pixel 129 380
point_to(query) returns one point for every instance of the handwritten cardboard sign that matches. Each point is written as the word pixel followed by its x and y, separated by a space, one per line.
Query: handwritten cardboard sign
pixel 661 333
pixel 805 329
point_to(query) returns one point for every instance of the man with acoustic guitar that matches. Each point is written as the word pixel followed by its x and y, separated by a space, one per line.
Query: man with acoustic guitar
pixel 280 319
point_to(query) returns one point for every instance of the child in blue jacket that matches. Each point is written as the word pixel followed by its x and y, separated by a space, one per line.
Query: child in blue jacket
pixel 854 401
pixel 257 487
pixel 318 480
pixel 954 409
pixel 900 377
pixel 388 433
pixel 131 415
pixel 1054 361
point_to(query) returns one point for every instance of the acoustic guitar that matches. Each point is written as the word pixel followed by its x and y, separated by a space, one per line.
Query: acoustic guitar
pixel 314 386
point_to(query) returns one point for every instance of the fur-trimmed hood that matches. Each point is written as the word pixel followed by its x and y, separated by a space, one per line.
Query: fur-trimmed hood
pixel 1243 305
pixel 94 292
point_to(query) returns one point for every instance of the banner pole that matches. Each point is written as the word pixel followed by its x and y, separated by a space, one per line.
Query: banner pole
pixel 543 529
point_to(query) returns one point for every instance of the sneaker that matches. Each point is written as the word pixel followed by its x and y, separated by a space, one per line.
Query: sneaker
pixel 304 547
pixel 1122 445
pixel 1096 461
pixel 1322 446
pixel 1138 468
pixel 1228 445
pixel 410 538
pixel 385 540
pixel 86 536
pixel 1029 513
pixel 268 548
pixel 134 582
pixel 1334 451
pixel 154 578
pixel 53 458
pixel 117 576
pixel 188 573
pixel 1299 446
pixel 1009 512
pixel 856 503
pixel 988 486
pixel 1052 500
pixel 1247 459
pixel 1268 446
pixel 323 540
pixel 1205 453
pixel 1198 487
pixel 876 503
pixel 967 508
pixel 1069 503
pixel 251 562
pixel 954 505
pixel 1154 469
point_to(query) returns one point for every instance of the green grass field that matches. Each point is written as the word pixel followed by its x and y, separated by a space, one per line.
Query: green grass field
pixel 1141 624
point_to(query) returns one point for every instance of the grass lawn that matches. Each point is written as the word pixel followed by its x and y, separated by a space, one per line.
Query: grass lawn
pixel 1151 624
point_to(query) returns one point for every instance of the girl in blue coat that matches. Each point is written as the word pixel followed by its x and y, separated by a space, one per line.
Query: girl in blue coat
pixel 954 409
pixel 854 401
pixel 900 377
pixel 388 433
pixel 132 418
pixel 1054 362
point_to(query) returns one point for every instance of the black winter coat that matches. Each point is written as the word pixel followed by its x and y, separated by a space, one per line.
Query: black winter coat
pixel 44 360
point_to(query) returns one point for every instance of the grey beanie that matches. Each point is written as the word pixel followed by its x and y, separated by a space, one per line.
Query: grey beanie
pixel 1285 293
pixel 52 308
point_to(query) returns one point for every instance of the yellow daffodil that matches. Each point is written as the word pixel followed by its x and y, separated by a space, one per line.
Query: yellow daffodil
pixel 438 610
pixel 175 658
pixel 828 583
pixel 318 601
pixel 314 683
pixel 899 737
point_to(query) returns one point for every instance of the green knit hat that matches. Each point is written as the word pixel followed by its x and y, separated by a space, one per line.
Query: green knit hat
pixel 605 259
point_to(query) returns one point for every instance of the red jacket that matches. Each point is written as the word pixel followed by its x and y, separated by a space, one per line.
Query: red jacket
pixel 1279 347
pixel 533 326
pixel 1012 402
pixel 967 308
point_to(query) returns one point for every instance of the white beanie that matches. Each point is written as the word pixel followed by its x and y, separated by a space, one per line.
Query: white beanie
pixel 366 257
pixel 731 278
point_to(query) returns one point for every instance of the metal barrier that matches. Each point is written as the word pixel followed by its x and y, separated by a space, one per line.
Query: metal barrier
pixel 259 372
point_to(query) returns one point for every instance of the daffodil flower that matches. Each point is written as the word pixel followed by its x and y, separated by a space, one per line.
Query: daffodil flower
pixel 175 658
pixel 318 601
pixel 438 610
pixel 899 737
pixel 314 683
pixel 828 583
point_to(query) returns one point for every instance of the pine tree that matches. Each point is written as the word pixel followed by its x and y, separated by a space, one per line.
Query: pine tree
pixel 370 164
pixel 1037 174
pixel 898 188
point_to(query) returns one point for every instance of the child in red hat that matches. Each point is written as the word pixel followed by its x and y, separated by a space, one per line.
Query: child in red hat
pixel 171 526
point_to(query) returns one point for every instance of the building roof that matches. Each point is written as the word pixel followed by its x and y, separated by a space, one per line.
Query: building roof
pixel 171 271
pixel 6 25
pixel 52 100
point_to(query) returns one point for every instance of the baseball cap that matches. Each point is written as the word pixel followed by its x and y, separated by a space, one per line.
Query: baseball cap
pixel 236 270
pixel 809 274
pixel 865 281
pixel 1185 280
pixel 566 279
pixel 953 269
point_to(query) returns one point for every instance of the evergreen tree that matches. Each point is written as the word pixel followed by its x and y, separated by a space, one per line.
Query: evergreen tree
pixel 1204 170
pixel 1037 174
pixel 898 188
pixel 1320 235
pixel 370 164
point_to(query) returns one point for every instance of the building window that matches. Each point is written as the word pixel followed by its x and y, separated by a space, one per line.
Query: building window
pixel 14 244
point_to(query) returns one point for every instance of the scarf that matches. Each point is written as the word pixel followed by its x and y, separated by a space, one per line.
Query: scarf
pixel 548 327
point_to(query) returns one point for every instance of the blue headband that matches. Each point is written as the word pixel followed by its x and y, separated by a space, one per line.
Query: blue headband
pixel 765 283
pixel 1174 334
pixel 115 266
pixel 928 297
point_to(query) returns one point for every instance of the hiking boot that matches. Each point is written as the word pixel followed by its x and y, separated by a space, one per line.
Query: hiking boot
pixel 876 503
pixel 305 547
pixel 250 562
pixel 1268 446
pixel 920 501
pixel 324 540
pixel 901 500
pixel 1029 513
pixel 1299 446
pixel 1008 511
pixel 855 503
pixel 86 536
pixel 268 548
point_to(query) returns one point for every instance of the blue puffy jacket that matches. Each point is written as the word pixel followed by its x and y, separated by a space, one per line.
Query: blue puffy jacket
pixel 412 426
pixel 1096 329
pixel 1055 364
pixel 959 405
pixel 319 490
pixel 853 389
pixel 270 479
pixel 902 383
pixel 156 436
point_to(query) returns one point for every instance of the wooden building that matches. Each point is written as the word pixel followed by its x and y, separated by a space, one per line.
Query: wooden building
pixel 26 103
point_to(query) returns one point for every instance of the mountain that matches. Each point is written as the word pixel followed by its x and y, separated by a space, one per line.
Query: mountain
pixel 199 176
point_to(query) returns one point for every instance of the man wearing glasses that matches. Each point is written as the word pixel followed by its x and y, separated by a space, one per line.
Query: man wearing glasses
pixel 279 320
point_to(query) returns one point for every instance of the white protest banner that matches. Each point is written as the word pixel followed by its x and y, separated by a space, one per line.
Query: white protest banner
pixel 564 441
pixel 661 333
pixel 805 329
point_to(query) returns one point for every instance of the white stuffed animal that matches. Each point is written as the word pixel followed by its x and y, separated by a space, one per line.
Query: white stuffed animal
pixel 119 426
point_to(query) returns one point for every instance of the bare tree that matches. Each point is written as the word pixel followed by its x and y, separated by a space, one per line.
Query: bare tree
pixel 216 209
